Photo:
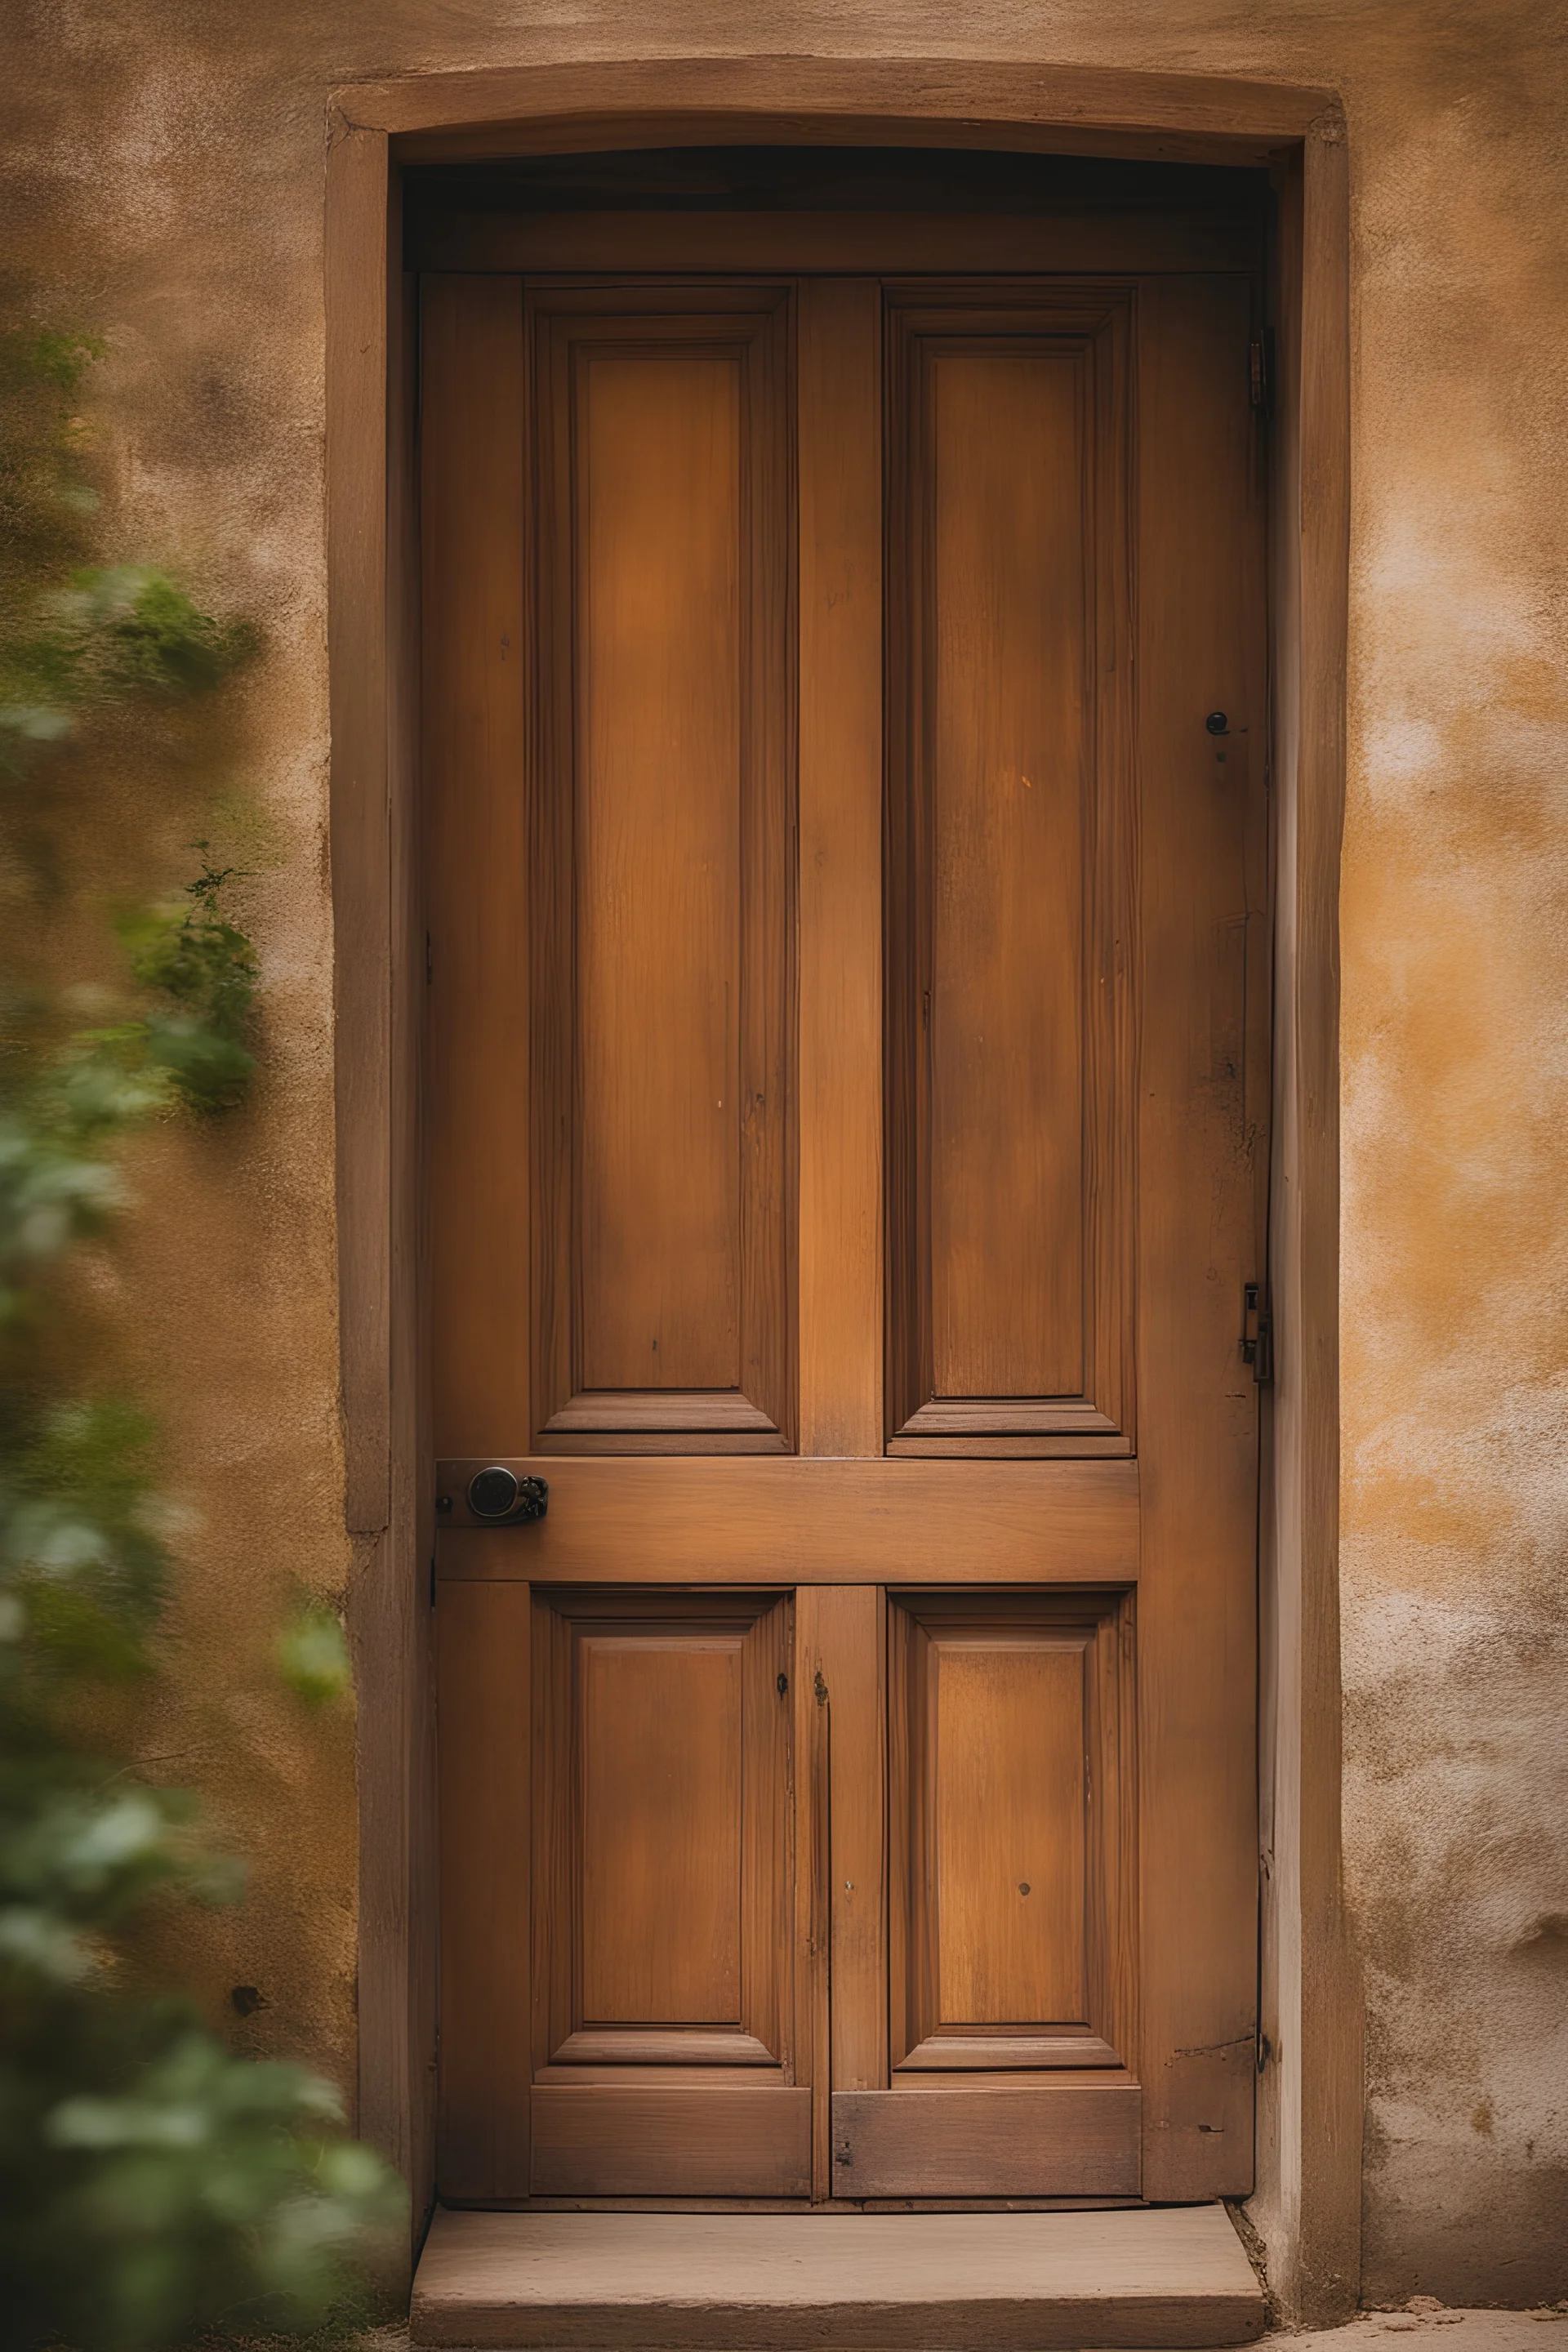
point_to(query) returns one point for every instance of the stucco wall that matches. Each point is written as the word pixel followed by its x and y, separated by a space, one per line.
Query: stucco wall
pixel 165 169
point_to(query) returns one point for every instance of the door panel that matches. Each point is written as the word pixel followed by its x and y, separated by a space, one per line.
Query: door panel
pixel 1082 2138
pixel 1007 745
pixel 870 1813
pixel 1011 1879
pixel 664 2142
pixel 1009 1057
pixel 662 1740
pixel 662 1735
pixel 662 810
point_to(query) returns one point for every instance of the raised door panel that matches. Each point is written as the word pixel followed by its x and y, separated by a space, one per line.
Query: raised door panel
pixel 1011 1886
pixel 658 1763
pixel 1009 1050
pixel 1007 741
pixel 1009 1783
pixel 662 802
pixel 1006 1731
pixel 664 1920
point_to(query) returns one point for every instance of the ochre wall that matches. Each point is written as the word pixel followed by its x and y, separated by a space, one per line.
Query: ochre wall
pixel 164 171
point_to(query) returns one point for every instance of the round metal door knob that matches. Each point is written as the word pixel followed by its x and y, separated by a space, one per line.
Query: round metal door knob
pixel 1217 723
pixel 502 1499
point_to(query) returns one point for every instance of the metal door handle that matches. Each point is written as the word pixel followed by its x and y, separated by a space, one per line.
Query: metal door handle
pixel 502 1499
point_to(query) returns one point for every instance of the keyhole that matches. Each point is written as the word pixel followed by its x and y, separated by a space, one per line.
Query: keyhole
pixel 783 1684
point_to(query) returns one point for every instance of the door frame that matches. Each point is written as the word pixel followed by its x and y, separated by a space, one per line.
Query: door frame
pixel 1306 2204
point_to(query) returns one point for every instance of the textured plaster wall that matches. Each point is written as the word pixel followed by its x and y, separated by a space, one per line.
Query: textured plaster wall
pixel 164 168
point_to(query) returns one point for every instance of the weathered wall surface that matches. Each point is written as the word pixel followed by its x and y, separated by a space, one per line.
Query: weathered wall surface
pixel 164 170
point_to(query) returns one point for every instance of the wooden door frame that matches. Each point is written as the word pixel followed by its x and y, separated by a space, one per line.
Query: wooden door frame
pixel 1306 2201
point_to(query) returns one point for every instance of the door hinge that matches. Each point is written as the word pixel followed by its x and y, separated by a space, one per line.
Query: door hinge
pixel 1257 1335
pixel 1259 373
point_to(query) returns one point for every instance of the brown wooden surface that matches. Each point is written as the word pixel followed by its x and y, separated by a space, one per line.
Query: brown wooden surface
pixel 1011 1745
pixel 1310 2090
pixel 451 238
pixel 357 396
pixel 662 796
pixel 701 2141
pixel 638 1520
pixel 669 1902
pixel 964 101
pixel 477 905
pixel 662 1749
pixel 840 1019
pixel 1080 2139
pixel 1201 649
pixel 1002 676
pixel 1010 1872
pixel 1009 1052
pixel 482 1664
pixel 658 1756
pixel 851 1634
pixel 372 374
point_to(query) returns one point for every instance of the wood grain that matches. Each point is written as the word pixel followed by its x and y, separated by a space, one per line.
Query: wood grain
pixel 657 497
pixel 639 1520
pixel 851 1631
pixel 1012 1859
pixel 1202 522
pixel 662 798
pixel 658 1761
pixel 840 1024
pixel 1074 2140
pixel 483 1653
pixel 373 595
pixel 477 901
pixel 1009 1741
pixel 357 391
pixel 1310 2092
pixel 662 1747
pixel 1009 1037
pixel 1003 1019
pixel 730 2142
pixel 963 101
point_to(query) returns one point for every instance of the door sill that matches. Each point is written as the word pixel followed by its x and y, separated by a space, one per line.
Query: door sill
pixel 1169 2276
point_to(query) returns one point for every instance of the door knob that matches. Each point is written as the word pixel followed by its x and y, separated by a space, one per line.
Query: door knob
pixel 502 1499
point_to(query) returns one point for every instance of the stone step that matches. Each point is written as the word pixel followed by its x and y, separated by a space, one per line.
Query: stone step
pixel 1164 2277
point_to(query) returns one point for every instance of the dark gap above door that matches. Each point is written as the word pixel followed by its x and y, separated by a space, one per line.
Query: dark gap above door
pixel 453 212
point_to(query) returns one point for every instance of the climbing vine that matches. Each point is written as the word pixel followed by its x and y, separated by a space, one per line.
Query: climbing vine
pixel 152 2184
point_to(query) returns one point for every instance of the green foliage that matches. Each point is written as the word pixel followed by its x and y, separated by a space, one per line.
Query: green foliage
pixel 313 1656
pixel 207 967
pixel 152 2184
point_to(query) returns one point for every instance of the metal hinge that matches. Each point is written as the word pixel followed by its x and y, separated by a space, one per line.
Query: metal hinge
pixel 1259 373
pixel 1257 1335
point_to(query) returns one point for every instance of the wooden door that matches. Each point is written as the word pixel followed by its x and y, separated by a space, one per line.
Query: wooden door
pixel 848 1021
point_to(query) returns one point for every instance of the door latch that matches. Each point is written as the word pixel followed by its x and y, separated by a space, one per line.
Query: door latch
pixel 1257 1335
pixel 500 1499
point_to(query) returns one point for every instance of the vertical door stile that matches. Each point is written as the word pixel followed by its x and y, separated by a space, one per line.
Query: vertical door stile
pixel 1200 654
pixel 839 903
pixel 472 541
pixel 840 866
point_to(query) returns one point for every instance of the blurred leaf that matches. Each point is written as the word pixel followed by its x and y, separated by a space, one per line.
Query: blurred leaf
pixel 313 1657
pixel 153 2185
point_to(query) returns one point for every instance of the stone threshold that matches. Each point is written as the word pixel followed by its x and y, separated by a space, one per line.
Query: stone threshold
pixel 1154 2279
